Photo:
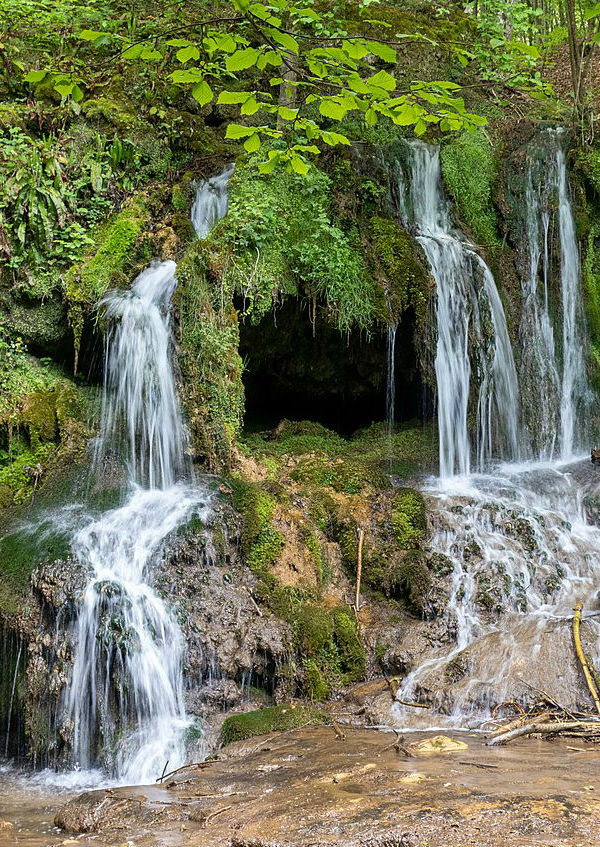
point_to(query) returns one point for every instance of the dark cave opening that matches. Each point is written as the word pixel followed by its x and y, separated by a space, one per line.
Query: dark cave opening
pixel 335 379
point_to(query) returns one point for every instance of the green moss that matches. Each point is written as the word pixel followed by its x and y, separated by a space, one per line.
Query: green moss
pixel 350 647
pixel 398 265
pixel 409 518
pixel 261 542
pixel 412 581
pixel 347 477
pixel 271 719
pixel 113 111
pixel 113 256
pixel 23 549
pixel 315 686
pixel 591 281
pixel 211 365
pixel 470 174
pixel 314 628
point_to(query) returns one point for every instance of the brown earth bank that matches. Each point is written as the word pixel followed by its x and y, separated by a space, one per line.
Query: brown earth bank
pixel 325 786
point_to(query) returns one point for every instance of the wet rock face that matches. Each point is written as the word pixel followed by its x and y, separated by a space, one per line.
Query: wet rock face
pixel 231 642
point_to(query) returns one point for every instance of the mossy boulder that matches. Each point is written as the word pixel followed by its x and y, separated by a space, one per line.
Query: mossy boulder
pixel 271 719
pixel 401 270
pixel 109 265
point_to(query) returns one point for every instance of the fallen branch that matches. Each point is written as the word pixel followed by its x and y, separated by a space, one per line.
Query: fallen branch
pixel 413 705
pixel 214 815
pixel 361 538
pixel 536 728
pixel 480 765
pixel 582 658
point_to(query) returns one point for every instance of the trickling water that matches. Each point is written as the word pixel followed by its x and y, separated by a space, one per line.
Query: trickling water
pixel 125 699
pixel 212 199
pixel 540 377
pixel 574 391
pixel 553 374
pixel 521 553
pixel 390 394
pixel 473 344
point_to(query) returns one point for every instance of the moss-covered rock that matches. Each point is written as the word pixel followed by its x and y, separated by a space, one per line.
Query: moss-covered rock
pixel 211 366
pixel 409 518
pixel 271 719
pixel 109 264
pixel 470 172
pixel 401 270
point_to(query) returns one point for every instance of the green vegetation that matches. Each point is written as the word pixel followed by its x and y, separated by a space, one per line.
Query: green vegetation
pixel 285 241
pixel 470 174
pixel 271 719
pixel 212 369
pixel 107 267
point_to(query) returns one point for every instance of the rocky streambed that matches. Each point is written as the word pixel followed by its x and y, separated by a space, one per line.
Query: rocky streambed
pixel 323 786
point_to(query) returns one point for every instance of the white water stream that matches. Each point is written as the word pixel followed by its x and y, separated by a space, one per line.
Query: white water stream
pixel 125 698
pixel 518 546
pixel 470 321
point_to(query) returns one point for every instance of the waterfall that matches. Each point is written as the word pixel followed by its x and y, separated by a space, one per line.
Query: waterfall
pixel 212 199
pixel 554 379
pixel 124 702
pixel 516 541
pixel 473 354
pixel 540 371
pixel 574 390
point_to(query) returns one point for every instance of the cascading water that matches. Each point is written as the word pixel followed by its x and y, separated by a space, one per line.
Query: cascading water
pixel 470 324
pixel 574 389
pixel 514 544
pixel 212 199
pixel 125 698
pixel 552 351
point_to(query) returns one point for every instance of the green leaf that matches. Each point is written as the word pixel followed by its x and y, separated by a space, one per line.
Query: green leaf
pixel 90 34
pixel 64 88
pixel 332 109
pixel 383 51
pixel 287 41
pixel 269 166
pixel 241 59
pixel 202 92
pixel 151 54
pixel 526 49
pixel 35 76
pixel 251 105
pixel 187 53
pixel 179 42
pixel 186 76
pixel 592 11
pixel 287 114
pixel 236 131
pixel 334 138
pixel 226 43
pixel 299 165
pixel 384 80
pixel 370 117
pixel 252 144
pixel 232 98
pixel 273 58
pixel 355 49
pixel 134 51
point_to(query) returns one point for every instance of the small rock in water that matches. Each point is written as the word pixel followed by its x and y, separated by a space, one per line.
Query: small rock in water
pixel 441 744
